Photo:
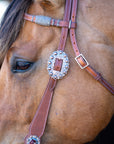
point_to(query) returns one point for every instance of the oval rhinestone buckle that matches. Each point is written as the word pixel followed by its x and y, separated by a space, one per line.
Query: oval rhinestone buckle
pixel 33 140
pixel 51 63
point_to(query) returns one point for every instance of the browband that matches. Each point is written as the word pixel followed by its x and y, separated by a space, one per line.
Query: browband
pixel 48 21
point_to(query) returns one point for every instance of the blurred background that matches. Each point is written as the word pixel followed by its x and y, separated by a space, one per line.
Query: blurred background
pixel 3 6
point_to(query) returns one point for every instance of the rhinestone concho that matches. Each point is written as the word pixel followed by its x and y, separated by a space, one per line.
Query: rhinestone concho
pixel 65 65
pixel 33 140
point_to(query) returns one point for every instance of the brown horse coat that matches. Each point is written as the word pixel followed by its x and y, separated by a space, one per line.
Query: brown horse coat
pixel 81 107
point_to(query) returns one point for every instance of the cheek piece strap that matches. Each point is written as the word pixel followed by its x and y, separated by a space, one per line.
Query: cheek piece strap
pixel 58 66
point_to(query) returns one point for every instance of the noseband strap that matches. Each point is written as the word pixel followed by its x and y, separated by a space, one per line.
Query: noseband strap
pixel 38 123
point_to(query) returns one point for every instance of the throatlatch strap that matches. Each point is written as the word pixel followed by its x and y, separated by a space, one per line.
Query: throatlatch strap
pixel 81 60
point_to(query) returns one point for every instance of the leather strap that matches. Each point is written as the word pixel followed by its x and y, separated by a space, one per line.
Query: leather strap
pixel 52 21
pixel 83 63
pixel 38 123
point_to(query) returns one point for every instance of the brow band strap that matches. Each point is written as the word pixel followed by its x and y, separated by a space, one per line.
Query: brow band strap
pixel 48 21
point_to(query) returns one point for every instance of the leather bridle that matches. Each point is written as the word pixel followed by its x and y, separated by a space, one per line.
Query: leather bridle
pixel 58 65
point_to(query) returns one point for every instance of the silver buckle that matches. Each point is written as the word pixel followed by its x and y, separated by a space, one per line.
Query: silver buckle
pixel 70 22
pixel 82 67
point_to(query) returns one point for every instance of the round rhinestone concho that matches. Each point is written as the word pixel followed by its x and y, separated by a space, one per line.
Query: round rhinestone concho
pixel 65 65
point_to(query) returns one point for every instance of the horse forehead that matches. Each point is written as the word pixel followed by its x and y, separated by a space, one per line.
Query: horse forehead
pixel 98 15
pixel 97 8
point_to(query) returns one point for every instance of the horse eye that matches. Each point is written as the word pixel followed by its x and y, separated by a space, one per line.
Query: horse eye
pixel 46 4
pixel 21 66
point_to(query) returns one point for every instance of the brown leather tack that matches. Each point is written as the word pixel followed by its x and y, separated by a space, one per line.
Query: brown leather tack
pixel 38 123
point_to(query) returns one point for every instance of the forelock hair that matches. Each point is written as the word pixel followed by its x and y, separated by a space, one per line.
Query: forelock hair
pixel 11 24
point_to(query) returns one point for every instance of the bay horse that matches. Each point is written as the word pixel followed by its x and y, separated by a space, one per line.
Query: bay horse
pixel 81 107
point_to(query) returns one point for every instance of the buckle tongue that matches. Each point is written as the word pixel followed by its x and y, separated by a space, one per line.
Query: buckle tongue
pixel 84 61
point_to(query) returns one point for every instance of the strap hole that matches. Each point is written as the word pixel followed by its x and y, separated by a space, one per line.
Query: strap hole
pixel 74 43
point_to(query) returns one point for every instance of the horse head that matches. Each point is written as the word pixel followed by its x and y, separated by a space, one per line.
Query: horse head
pixel 81 107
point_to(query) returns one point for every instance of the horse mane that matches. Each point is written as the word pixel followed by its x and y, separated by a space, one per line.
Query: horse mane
pixel 11 24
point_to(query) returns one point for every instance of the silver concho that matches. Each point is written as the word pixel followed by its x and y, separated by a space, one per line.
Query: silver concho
pixel 43 20
pixel 65 66
pixel 33 139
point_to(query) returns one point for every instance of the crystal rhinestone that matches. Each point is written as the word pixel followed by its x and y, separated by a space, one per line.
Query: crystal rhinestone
pixel 50 73
pixel 64 72
pixel 52 57
pixel 49 62
pixel 49 68
pixel 55 53
pixel 66 66
pixel 55 77
pixel 60 52
pixel 60 76
pixel 65 56
pixel 66 61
